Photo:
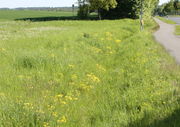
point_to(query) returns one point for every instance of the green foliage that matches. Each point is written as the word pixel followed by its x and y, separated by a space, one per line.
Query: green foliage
pixel 170 8
pixel 83 12
pixel 85 74
pixel 149 8
pixel 131 9
pixel 103 4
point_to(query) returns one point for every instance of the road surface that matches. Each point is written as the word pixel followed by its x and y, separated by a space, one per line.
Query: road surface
pixel 165 36
pixel 175 19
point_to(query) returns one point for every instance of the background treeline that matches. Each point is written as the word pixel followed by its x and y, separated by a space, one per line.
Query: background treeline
pixel 170 8
pixel 113 9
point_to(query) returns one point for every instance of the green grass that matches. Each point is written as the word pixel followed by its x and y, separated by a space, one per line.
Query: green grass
pixel 17 14
pixel 177 30
pixel 166 20
pixel 85 74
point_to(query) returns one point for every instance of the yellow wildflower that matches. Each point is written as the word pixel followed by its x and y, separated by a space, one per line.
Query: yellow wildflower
pixel 45 124
pixel 2 49
pixel 52 55
pixel 118 41
pixel 59 95
pixel 63 102
pixel 51 107
pixel 55 114
pixel 108 34
pixel 93 77
pixel 28 106
pixel 74 77
pixel 102 39
pixel 62 120
pixel 68 98
pixel 85 87
pixel 71 66
pixel 100 67
pixel 20 76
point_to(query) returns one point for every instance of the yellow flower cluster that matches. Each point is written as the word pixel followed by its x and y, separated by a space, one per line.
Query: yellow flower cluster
pixel 52 55
pixel 109 36
pixel 60 98
pixel 2 49
pixel 118 41
pixel 71 66
pixel 74 77
pixel 62 120
pixel 46 124
pixel 85 87
pixel 28 106
pixel 96 50
pixel 100 67
pixel 55 114
pixel 93 78
pixel 2 95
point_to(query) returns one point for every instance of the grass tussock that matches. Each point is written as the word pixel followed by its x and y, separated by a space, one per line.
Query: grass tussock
pixel 92 74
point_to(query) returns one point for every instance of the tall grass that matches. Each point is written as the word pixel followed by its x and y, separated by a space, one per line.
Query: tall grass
pixel 84 74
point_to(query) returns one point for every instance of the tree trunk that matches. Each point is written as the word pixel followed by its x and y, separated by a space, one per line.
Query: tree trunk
pixel 99 14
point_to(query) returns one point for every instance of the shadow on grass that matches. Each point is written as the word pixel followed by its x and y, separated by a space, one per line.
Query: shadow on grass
pixel 171 121
pixel 39 19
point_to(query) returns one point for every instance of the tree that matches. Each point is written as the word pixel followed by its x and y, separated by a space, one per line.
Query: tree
pixel 102 4
pixel 83 11
pixel 176 5
pixel 124 9
pixel 131 9
pixel 169 7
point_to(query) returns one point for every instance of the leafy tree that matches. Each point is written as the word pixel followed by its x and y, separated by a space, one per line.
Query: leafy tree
pixel 83 11
pixel 131 9
pixel 102 4
pixel 169 7
pixel 176 5
pixel 148 6
pixel 123 10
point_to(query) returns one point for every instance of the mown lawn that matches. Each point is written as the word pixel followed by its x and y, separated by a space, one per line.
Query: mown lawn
pixel 85 74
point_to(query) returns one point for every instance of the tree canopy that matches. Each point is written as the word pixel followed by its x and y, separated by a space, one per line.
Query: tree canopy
pixel 131 9
pixel 122 8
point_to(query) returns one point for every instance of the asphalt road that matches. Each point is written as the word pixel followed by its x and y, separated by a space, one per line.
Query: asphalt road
pixel 165 36
pixel 175 19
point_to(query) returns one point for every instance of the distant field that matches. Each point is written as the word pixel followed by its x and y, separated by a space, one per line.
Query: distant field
pixel 85 74
pixel 17 14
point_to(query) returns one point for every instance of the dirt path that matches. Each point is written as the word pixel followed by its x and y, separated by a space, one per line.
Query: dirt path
pixel 165 36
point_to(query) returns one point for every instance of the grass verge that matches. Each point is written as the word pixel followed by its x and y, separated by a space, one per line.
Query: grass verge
pixel 177 30
pixel 85 74
pixel 166 20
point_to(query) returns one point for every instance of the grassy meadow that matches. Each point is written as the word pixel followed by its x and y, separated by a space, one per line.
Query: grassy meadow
pixel 86 74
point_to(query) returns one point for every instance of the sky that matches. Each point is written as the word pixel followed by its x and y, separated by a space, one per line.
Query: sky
pixel 41 3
